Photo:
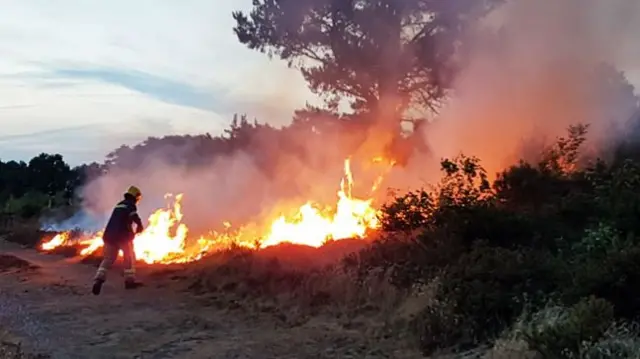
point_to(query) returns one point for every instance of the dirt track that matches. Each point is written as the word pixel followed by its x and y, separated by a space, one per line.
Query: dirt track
pixel 46 304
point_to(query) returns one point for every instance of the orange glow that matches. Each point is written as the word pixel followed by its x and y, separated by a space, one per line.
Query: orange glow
pixel 165 239
pixel 352 218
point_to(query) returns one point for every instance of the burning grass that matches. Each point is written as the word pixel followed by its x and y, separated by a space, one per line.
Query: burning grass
pixel 165 238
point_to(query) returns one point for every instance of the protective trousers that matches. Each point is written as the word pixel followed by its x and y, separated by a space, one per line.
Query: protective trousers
pixel 110 254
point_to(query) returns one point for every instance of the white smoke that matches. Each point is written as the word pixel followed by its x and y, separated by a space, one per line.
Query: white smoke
pixel 532 79
pixel 540 72
pixel 80 220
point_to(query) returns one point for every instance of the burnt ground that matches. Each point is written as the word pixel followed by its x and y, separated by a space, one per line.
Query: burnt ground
pixel 46 306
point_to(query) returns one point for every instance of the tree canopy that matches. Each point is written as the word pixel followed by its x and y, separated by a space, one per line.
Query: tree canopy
pixel 383 56
pixel 44 182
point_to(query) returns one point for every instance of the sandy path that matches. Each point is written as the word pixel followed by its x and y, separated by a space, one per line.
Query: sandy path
pixel 51 310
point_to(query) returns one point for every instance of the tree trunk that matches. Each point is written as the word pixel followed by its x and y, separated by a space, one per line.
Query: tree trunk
pixel 389 101
pixel 389 109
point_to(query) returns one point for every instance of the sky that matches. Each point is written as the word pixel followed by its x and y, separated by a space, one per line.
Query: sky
pixel 82 77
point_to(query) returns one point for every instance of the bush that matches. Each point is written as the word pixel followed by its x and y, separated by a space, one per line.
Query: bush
pixel 408 212
pixel 26 232
pixel 555 205
pixel 613 277
pixel 560 230
pixel 563 333
pixel 28 206
pixel 439 327
pixel 489 287
pixel 584 330
pixel 599 241
pixel 616 194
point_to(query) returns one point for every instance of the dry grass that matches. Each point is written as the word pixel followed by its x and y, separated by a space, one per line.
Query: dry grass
pixel 302 286
pixel 290 275
pixel 25 232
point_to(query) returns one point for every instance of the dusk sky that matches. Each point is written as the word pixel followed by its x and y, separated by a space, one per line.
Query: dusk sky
pixel 81 78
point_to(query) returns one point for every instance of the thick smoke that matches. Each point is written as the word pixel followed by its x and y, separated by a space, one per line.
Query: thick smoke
pixel 212 194
pixel 538 70
pixel 255 185
pixel 88 221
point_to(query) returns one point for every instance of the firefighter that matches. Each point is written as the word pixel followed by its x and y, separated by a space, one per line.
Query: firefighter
pixel 118 236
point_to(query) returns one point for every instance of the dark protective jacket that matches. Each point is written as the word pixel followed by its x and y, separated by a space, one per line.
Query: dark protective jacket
pixel 119 229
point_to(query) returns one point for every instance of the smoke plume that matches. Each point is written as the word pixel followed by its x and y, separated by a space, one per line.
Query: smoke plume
pixel 254 185
pixel 536 68
pixel 539 67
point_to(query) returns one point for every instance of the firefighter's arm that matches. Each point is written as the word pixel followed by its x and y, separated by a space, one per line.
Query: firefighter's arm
pixel 136 219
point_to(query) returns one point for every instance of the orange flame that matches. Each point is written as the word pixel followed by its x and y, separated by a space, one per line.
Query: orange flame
pixel 310 227
pixel 55 242
pixel 164 240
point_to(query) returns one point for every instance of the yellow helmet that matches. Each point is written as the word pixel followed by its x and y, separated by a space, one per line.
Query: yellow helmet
pixel 134 191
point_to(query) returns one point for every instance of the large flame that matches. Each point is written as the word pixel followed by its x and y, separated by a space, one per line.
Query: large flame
pixel 164 239
pixel 352 218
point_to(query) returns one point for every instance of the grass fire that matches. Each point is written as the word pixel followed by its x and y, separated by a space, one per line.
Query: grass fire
pixel 395 179
pixel 166 238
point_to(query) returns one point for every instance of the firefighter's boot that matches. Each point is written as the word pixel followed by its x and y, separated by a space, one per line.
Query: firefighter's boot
pixel 97 286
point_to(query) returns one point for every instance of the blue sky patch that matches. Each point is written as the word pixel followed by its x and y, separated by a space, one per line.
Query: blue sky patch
pixel 163 89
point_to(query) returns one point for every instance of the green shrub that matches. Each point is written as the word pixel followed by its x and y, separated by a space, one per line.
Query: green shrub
pixel 28 206
pixel 613 277
pixel 620 341
pixel 616 194
pixel 556 205
pixel 600 240
pixel 440 327
pixel 398 254
pixel 408 212
pixel 586 330
pixel 485 290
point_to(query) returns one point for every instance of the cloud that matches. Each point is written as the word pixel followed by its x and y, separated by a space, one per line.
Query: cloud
pixel 79 143
pixel 87 67
pixel 166 90
pixel 84 143
pixel 87 120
